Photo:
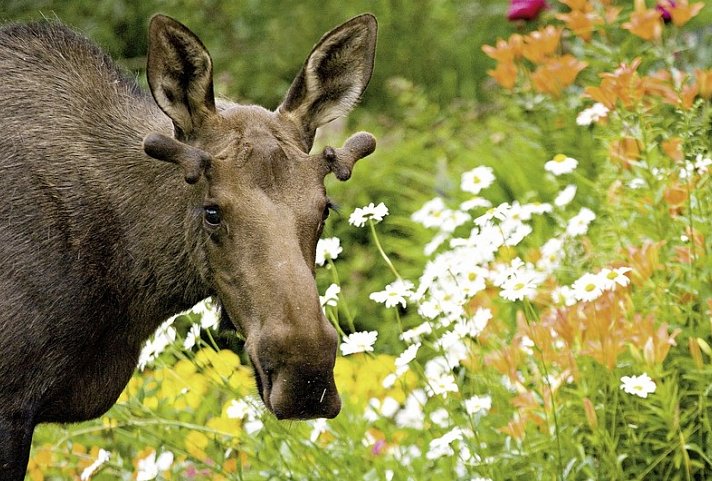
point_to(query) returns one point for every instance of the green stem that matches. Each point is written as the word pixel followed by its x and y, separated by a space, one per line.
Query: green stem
pixel 381 251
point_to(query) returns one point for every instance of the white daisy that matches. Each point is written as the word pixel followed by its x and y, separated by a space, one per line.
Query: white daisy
pixel 561 164
pixel 578 224
pixel 361 215
pixel 521 284
pixel 395 293
pixel 588 287
pixel 358 342
pixel 592 114
pixel 478 404
pixel 612 278
pixel 149 467
pixel 566 195
pixel 639 385
pixel 328 248
pixel 331 296
pixel 475 180
pixel 101 458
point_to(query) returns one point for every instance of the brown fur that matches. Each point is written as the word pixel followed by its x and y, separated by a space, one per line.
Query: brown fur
pixel 102 237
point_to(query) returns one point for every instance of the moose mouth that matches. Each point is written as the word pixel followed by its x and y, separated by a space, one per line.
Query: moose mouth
pixel 297 390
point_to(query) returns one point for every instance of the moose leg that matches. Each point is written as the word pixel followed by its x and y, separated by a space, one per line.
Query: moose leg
pixel 15 441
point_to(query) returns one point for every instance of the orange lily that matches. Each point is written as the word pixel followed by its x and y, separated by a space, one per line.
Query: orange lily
pixel 681 11
pixel 541 43
pixel 581 23
pixel 645 23
pixel 557 73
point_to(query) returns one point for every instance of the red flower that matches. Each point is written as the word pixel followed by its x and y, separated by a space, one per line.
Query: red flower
pixel 525 9
pixel 663 8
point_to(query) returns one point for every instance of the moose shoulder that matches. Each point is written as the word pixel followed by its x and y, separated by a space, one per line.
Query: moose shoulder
pixel 123 208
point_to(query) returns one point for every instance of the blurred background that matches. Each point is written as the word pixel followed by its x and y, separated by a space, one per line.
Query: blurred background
pixel 258 45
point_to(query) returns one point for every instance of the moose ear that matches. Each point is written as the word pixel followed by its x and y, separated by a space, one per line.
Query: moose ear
pixel 180 75
pixel 193 160
pixel 334 75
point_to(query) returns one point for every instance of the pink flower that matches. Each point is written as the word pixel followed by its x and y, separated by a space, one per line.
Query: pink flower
pixel 663 8
pixel 525 9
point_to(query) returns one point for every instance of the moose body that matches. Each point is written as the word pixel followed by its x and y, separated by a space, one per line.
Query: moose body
pixel 122 208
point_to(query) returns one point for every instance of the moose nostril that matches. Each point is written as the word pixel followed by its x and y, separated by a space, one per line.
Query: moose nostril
pixel 295 395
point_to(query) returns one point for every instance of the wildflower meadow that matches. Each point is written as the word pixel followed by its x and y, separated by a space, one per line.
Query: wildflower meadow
pixel 522 287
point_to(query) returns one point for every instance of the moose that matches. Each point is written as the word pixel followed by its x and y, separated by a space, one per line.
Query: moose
pixel 124 208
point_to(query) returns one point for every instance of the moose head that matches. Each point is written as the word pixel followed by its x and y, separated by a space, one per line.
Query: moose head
pixel 263 201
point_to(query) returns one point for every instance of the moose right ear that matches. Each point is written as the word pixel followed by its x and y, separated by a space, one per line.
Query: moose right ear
pixel 180 75
pixel 193 160
pixel 334 75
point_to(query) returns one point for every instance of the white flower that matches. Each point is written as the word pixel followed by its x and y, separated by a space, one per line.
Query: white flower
pixel 474 203
pixel 163 337
pixel 192 336
pixel 588 287
pixel 331 296
pixel 411 415
pixel 238 409
pixel 612 278
pixel 361 215
pixel 473 326
pixel 440 417
pixel 592 114
pixel 564 197
pixel 208 313
pixel 637 183
pixel 101 458
pixel 395 293
pixel 414 334
pixel 561 164
pixel 702 164
pixel 406 357
pixel 318 426
pixel 429 215
pixel 563 296
pixel 440 378
pixel 478 404
pixel 578 224
pixel 328 248
pixel 440 447
pixel 358 342
pixel 149 467
pixel 639 385
pixel 477 179
pixel 500 213
pixel 521 284
pixel 377 409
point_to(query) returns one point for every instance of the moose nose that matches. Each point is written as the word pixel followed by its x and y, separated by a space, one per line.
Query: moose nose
pixel 301 392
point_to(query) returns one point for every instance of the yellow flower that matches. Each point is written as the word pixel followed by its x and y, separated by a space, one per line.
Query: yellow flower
pixel 195 444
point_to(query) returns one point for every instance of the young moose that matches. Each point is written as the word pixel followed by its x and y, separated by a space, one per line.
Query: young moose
pixel 100 241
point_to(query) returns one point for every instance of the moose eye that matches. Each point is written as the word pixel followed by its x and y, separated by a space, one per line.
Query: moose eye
pixel 211 214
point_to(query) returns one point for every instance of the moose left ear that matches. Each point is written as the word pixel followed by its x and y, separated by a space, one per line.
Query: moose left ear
pixel 193 160
pixel 180 75
pixel 334 75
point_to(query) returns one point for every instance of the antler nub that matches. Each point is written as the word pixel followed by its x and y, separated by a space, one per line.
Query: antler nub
pixel 341 161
